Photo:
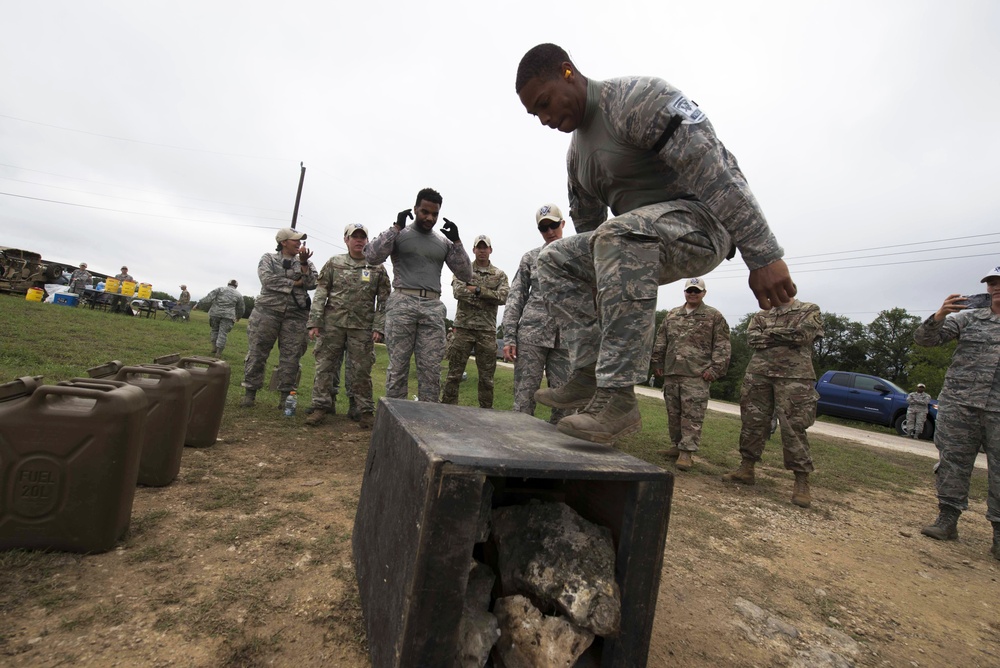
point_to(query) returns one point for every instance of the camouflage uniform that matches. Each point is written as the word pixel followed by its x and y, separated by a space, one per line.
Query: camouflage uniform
pixel 279 314
pixel 120 303
pixel 687 345
pixel 527 325
pixel 780 378
pixel 350 304
pixel 184 298
pixel 227 308
pixel 680 203
pixel 916 412
pixel 476 330
pixel 969 405
pixel 79 280
pixel 415 314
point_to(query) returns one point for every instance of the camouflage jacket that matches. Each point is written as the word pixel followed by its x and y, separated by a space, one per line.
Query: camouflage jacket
pixel 918 400
pixel 351 294
pixel 278 294
pixel 525 318
pixel 617 158
pixel 688 344
pixel 782 340
pixel 81 276
pixel 973 379
pixel 226 302
pixel 184 298
pixel 480 311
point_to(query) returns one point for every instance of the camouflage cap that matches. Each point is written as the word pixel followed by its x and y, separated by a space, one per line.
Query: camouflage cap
pixel 548 212
pixel 919 385
pixel 351 228
pixel 286 233
pixel 482 238
pixel 695 284
pixel 993 274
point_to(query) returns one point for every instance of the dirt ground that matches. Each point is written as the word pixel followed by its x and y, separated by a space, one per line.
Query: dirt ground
pixel 245 561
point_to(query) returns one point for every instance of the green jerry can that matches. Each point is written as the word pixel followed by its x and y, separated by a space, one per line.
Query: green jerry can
pixel 210 385
pixel 168 391
pixel 69 460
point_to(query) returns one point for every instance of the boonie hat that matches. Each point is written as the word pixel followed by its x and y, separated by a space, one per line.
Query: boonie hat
pixel 695 283
pixel 482 238
pixel 351 228
pixel 548 212
pixel 286 233
pixel 994 273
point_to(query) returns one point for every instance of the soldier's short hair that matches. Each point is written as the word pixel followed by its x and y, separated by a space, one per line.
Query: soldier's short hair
pixel 428 195
pixel 540 62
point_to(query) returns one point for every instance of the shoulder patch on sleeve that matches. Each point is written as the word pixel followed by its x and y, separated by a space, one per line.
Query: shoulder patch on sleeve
pixel 686 109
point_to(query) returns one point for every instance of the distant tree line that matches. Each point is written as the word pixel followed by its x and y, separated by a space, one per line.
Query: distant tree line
pixel 884 348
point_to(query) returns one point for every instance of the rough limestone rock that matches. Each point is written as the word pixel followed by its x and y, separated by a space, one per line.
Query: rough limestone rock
pixel 478 630
pixel 529 639
pixel 485 524
pixel 550 554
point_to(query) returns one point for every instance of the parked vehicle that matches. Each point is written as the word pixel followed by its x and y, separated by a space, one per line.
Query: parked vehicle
pixel 858 396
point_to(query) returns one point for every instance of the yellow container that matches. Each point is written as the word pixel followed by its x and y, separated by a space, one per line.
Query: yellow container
pixel 145 291
pixel 35 295
pixel 128 288
pixel 112 285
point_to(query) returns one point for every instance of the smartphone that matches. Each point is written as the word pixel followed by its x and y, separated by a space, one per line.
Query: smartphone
pixel 982 300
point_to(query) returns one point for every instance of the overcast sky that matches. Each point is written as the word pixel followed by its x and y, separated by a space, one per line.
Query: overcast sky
pixel 168 135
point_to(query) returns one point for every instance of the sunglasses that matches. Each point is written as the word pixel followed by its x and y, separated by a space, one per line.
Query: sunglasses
pixel 551 227
pixel 693 291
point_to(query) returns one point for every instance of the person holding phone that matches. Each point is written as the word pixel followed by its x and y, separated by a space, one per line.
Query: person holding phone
pixel 969 410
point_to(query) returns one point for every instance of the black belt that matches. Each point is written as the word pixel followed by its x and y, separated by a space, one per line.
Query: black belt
pixel 426 294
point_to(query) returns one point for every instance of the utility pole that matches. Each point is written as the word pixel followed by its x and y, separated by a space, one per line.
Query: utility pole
pixel 298 195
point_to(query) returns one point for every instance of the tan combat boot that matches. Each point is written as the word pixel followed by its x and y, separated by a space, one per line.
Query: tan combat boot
pixel 800 495
pixel 744 474
pixel 671 453
pixel 611 414
pixel 248 398
pixel 945 527
pixel 576 393
pixel 317 416
pixel 684 460
pixel 366 420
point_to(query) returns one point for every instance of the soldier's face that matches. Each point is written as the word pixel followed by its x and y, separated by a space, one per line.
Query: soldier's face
pixel 425 215
pixel 482 252
pixel 356 243
pixel 290 246
pixel 693 297
pixel 557 102
pixel 993 288
pixel 551 230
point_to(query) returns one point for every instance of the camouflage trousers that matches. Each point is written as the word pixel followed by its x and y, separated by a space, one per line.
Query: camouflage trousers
pixel 686 398
pixel 794 400
pixel 532 363
pixel 263 329
pixel 959 433
pixel 414 326
pixel 220 330
pixel 915 419
pixel 600 287
pixel 329 351
pixel 335 374
pixel 482 343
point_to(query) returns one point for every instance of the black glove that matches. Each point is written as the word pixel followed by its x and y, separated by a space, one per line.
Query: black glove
pixel 401 218
pixel 450 230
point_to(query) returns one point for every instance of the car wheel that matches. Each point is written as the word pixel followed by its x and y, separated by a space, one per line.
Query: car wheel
pixel 900 424
pixel 928 433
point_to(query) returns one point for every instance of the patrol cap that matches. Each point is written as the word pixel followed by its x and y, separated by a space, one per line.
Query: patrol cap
pixel 482 238
pixel 184 287
pixel 992 274
pixel 124 268
pixel 548 212
pixel 234 283
pixel 351 228
pixel 286 233
pixel 695 284
pixel 919 385
pixel 83 265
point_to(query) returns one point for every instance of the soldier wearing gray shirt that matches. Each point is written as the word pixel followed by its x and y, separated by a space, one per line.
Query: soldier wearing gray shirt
pixel 226 310
pixel 680 204
pixel 415 314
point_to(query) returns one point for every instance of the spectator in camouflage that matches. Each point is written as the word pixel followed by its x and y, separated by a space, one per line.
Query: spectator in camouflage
pixel 185 295
pixel 415 314
pixel 280 313
pixel 680 203
pixel 968 416
pixel 531 337
pixel 348 316
pixel 691 349
pixel 780 378
pixel 916 410
pixel 120 302
pixel 80 279
pixel 476 324
pixel 226 310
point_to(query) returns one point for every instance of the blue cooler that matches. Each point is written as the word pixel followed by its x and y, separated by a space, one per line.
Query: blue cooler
pixel 65 298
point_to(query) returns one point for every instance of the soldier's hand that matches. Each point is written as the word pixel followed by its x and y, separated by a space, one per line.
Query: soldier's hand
pixel 377 337
pixel 952 304
pixel 401 218
pixel 772 285
pixel 509 353
pixel 708 375
pixel 313 333
pixel 304 255
pixel 450 230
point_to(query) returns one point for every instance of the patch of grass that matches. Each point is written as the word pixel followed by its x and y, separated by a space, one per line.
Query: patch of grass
pixel 240 495
pixel 298 497
pixel 141 524
pixel 248 651
pixel 157 553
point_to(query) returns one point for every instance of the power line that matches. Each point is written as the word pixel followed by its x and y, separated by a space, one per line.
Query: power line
pixel 881 264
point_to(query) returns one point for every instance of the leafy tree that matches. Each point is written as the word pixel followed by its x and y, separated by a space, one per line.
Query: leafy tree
pixel 247 306
pixel 728 387
pixel 156 294
pixel 890 339
pixel 843 346
pixel 928 366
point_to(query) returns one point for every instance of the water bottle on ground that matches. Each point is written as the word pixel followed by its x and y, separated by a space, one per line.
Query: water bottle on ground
pixel 290 404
